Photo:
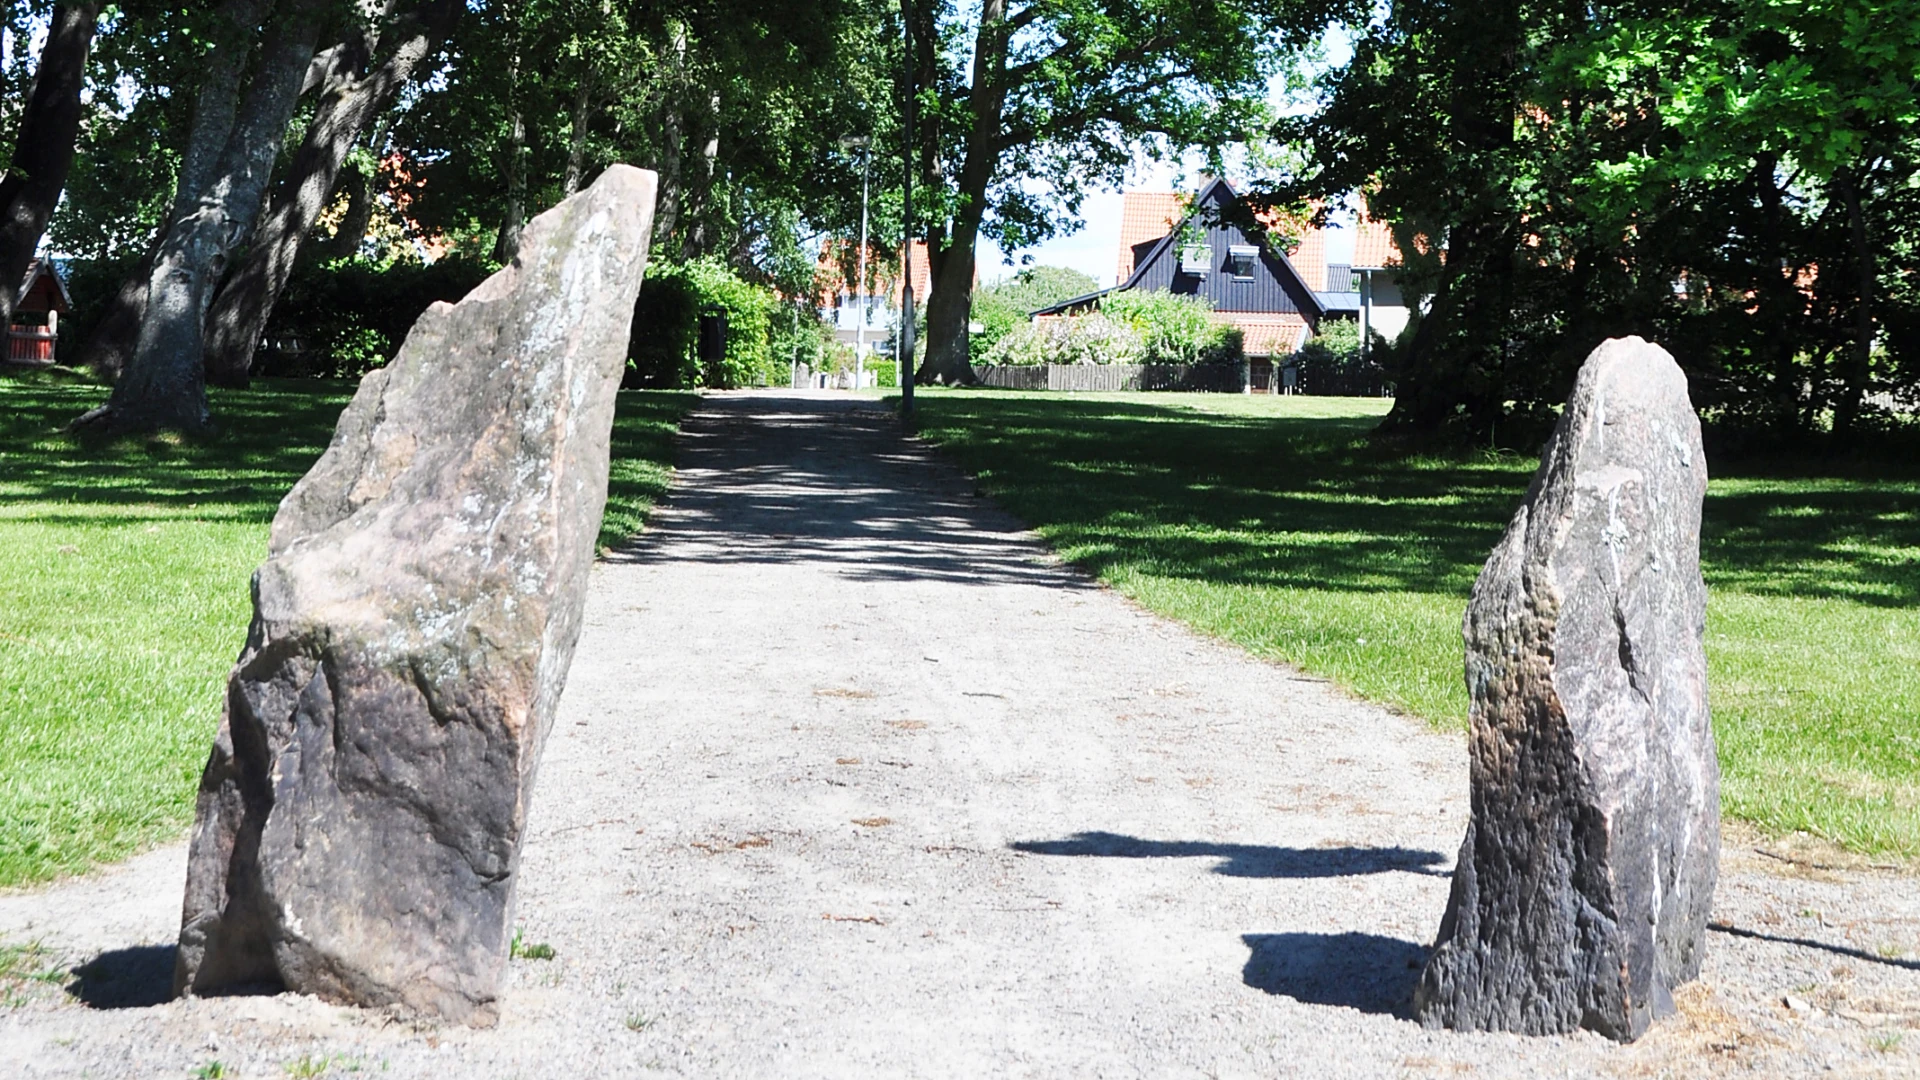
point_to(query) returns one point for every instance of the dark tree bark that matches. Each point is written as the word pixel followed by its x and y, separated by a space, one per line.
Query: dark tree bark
pixel 110 348
pixel 163 387
pixel 577 135
pixel 1856 367
pixel 349 101
pixel 950 297
pixel 666 216
pixel 43 152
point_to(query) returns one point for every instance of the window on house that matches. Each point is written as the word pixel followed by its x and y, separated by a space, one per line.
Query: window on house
pixel 1240 260
pixel 1196 258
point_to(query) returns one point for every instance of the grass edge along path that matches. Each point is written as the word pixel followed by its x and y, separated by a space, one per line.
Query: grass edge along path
pixel 1267 522
pixel 124 599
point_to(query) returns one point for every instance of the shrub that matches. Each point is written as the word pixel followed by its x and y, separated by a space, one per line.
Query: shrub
pixel 1174 329
pixel 1001 307
pixel 1331 363
pixel 349 316
pixel 663 346
pixel 1077 339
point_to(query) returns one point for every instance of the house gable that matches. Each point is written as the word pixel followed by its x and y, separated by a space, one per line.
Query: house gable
pixel 1271 285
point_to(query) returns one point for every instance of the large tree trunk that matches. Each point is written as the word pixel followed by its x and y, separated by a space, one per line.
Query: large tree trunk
pixel 44 151
pixel 1856 368
pixel 163 387
pixel 951 264
pixel 349 102
pixel 1457 360
pixel 109 349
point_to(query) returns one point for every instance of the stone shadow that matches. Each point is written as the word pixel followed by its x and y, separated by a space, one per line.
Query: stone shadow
pixel 132 978
pixel 1367 972
pixel 1811 943
pixel 1247 860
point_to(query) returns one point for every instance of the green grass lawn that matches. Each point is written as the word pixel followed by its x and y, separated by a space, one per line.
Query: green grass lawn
pixel 123 600
pixel 1267 521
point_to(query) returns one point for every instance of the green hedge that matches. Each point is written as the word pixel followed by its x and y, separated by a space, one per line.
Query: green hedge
pixel 663 347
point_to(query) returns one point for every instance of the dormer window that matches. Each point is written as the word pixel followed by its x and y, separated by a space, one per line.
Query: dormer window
pixel 1240 260
pixel 1196 258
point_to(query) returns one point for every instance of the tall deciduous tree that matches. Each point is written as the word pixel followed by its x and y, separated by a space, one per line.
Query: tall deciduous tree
pixel 1027 102
pixel 360 78
pixel 43 151
pixel 164 385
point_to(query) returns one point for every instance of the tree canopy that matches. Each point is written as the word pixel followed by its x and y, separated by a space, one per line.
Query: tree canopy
pixel 1735 178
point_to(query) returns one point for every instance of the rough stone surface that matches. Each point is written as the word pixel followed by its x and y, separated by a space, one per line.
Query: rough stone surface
pixel 1581 894
pixel 360 819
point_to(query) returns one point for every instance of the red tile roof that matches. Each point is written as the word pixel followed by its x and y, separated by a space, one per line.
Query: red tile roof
pixel 1373 243
pixel 1144 216
pixel 1267 333
pixel 885 278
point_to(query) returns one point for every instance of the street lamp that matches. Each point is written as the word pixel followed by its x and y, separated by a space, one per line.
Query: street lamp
pixel 861 142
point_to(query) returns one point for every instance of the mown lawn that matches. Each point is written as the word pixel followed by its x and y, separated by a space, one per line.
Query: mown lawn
pixel 1267 521
pixel 123 600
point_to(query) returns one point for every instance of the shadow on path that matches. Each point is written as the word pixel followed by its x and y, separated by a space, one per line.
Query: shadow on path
pixel 131 978
pixel 1810 943
pixel 1367 972
pixel 1247 860
pixel 833 483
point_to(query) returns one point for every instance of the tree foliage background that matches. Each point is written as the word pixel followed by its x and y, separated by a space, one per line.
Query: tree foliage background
pixel 1735 178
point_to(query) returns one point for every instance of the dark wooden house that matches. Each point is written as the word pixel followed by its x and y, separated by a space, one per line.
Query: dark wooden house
pixel 1252 287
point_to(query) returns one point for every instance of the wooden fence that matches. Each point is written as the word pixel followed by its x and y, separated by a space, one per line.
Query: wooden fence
pixel 1216 378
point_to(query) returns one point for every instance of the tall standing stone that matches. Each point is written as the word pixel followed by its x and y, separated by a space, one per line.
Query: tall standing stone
pixel 1582 891
pixel 359 822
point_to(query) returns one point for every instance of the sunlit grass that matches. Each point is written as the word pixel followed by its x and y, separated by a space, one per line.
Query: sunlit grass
pixel 1269 522
pixel 123 600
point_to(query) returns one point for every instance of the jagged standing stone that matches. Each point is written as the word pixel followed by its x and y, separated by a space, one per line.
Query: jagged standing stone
pixel 359 822
pixel 1581 895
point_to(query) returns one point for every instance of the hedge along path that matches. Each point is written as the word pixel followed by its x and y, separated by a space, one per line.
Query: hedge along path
pixel 853 778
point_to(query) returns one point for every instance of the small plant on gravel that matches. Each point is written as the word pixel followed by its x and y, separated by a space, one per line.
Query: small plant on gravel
pixel 212 1070
pixel 307 1067
pixel 1885 1042
pixel 24 967
pixel 638 1022
pixel 522 950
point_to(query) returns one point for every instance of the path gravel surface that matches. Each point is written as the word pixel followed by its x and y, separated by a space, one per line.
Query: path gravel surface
pixel 853 779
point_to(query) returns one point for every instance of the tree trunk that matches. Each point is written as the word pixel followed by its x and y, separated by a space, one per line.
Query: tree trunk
pixel 109 349
pixel 163 387
pixel 348 103
pixel 577 134
pixel 44 151
pixel 666 216
pixel 507 244
pixel 701 238
pixel 1857 367
pixel 357 186
pixel 950 299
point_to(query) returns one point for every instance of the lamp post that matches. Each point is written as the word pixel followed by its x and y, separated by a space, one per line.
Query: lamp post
pixel 861 143
pixel 904 339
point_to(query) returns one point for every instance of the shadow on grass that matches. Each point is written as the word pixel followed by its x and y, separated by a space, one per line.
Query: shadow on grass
pixel 1307 503
pixel 1367 972
pixel 268 437
pixel 1246 860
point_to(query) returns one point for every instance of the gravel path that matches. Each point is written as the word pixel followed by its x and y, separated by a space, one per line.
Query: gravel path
pixel 851 779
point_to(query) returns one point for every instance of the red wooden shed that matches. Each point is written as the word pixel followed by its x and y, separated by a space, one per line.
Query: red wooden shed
pixel 36 315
